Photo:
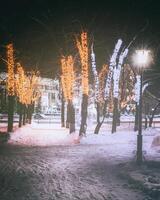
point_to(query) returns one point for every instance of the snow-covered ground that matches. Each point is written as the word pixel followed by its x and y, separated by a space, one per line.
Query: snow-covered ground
pixel 3 126
pixel 120 144
pixel 43 161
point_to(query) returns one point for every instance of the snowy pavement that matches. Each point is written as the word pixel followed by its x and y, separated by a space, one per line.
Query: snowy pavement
pixel 80 172
pixel 46 163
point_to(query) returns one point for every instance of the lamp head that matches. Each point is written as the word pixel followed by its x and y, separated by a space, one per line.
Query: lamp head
pixel 142 59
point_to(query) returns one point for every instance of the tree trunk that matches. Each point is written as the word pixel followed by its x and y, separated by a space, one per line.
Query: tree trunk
pixel 84 113
pixel 62 111
pixel 27 113
pixel 20 114
pixel 98 112
pixel 115 115
pixel 11 100
pixel 136 118
pixel 24 114
pixel 146 122
pixel 30 112
pixel 99 124
pixel 68 115
pixel 72 118
pixel 153 113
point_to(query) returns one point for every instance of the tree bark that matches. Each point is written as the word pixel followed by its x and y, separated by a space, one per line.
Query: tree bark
pixel 99 124
pixel 153 113
pixel 98 112
pixel 11 100
pixel 68 115
pixel 72 119
pixel 62 111
pixel 20 114
pixel 84 113
pixel 24 114
pixel 146 122
pixel 30 113
pixel 115 115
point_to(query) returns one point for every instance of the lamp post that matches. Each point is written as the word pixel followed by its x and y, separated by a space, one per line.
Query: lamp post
pixel 141 60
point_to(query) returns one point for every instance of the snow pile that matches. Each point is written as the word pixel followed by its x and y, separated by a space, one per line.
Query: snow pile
pixel 32 135
pixel 3 127
pixel 151 131
pixel 156 141
pixel 108 138
pixel 125 142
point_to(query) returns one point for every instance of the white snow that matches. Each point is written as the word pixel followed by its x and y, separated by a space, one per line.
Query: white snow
pixel 42 135
pixel 67 170
pixel 120 145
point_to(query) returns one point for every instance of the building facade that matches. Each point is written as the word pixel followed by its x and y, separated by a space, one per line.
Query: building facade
pixel 49 101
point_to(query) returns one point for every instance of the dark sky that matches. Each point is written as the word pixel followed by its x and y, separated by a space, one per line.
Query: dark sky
pixel 42 30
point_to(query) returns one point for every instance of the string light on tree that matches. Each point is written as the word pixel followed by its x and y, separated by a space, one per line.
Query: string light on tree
pixel 111 67
pixel 10 65
pixel 67 77
pixel 96 80
pixel 102 78
pixel 27 86
pixel 20 81
pixel 83 51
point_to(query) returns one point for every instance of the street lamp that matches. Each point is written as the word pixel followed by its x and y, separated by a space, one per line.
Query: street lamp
pixel 141 60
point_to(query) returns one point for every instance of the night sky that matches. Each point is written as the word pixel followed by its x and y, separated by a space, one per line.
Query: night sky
pixel 43 30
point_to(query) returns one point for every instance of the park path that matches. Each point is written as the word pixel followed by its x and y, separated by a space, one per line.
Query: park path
pixel 81 172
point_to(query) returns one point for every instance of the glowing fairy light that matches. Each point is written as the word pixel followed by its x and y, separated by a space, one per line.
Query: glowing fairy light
pixel 102 77
pixel 83 51
pixel 67 77
pixel 32 82
pixel 117 73
pixel 26 86
pixel 20 80
pixel 10 66
pixel 111 67
pixel 96 80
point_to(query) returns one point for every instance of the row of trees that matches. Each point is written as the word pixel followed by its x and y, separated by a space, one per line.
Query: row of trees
pixel 22 87
pixel 106 84
pixel 115 86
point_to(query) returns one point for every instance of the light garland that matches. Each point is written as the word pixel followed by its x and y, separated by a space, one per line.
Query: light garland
pixel 102 76
pixel 67 77
pixel 117 73
pixel 10 66
pixel 96 80
pixel 20 80
pixel 111 68
pixel 127 87
pixel 26 86
pixel 137 88
pixel 83 51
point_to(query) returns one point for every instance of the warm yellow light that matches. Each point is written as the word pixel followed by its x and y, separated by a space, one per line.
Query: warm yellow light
pixel 67 78
pixel 102 77
pixel 20 83
pixel 10 65
pixel 83 51
pixel 27 86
